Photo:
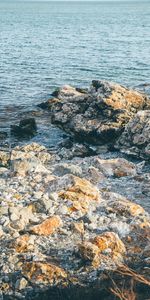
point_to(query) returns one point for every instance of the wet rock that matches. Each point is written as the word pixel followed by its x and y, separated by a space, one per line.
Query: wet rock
pixel 3 135
pixel 99 115
pixel 135 140
pixel 26 128
pixel 47 227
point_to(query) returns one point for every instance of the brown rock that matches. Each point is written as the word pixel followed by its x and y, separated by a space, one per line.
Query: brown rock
pixel 109 241
pixel 89 251
pixel 121 205
pixel 80 192
pixel 78 227
pixel 47 227
pixel 24 243
pixel 38 272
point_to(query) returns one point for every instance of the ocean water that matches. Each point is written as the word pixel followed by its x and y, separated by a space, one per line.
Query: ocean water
pixel 44 45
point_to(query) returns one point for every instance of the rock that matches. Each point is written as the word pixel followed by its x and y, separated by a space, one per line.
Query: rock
pixel 3 135
pixel 26 128
pixel 31 151
pixel 109 241
pixel 118 167
pixel 23 166
pixel 89 251
pixel 105 245
pixel 24 243
pixel 81 192
pixel 38 272
pixel 21 283
pixel 63 169
pixel 135 140
pixel 98 115
pixel 4 158
pixel 121 205
pixel 1 231
pixel 78 227
pixel 47 227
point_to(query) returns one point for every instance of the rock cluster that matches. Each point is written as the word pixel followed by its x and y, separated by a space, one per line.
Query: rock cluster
pixel 98 114
pixel 67 223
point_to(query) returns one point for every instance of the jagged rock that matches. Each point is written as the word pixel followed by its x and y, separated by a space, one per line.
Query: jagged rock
pixel 97 115
pixel 81 192
pixel 47 227
pixel 121 205
pixel 118 167
pixel 23 166
pixel 62 169
pixel 135 140
pixel 26 128
pixel 108 244
pixel 38 272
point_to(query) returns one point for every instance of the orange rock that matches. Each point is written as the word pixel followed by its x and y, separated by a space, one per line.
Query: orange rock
pixel 47 227
pixel 121 205
pixel 80 192
pixel 109 241
pixel 43 272
pixel 24 243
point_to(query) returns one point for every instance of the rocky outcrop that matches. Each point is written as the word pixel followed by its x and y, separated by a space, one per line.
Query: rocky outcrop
pixel 96 115
pixel 135 140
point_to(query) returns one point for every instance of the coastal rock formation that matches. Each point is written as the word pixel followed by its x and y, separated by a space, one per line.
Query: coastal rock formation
pixel 78 225
pixel 135 139
pixel 97 115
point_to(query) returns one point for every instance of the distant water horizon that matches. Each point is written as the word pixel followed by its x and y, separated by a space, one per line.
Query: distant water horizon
pixel 46 44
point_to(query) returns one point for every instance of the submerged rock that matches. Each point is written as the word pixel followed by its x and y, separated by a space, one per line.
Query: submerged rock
pixel 26 128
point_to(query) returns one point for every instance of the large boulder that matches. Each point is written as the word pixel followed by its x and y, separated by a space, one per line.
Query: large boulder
pixel 98 114
pixel 135 140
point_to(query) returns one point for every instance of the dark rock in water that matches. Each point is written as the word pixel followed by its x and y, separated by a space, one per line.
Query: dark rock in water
pixel 135 140
pixel 26 128
pixel 97 115
pixel 3 135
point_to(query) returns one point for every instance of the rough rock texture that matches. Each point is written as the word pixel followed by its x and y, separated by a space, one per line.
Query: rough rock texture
pixel 135 140
pixel 96 115
pixel 47 227
pixel 73 227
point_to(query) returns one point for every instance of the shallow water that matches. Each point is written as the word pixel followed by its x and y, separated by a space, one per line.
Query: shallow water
pixel 47 44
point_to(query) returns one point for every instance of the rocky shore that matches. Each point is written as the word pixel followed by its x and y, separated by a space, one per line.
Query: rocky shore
pixel 75 223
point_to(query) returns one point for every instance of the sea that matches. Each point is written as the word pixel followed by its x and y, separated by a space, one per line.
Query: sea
pixel 47 44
